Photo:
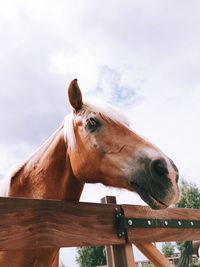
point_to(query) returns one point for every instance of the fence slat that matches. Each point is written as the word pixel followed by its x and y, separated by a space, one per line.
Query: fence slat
pixel 142 235
pixel 27 223
pixel 31 223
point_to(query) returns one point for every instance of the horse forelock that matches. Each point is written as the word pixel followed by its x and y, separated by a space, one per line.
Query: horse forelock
pixel 92 107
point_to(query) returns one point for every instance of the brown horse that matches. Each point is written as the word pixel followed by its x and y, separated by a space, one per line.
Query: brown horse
pixel 94 144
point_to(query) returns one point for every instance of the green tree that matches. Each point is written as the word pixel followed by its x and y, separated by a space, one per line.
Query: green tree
pixel 168 249
pixel 190 198
pixel 91 256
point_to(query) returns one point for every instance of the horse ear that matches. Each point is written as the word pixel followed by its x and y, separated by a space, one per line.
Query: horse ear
pixel 75 96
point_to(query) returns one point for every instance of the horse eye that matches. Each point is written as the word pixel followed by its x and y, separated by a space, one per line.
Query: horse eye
pixel 92 124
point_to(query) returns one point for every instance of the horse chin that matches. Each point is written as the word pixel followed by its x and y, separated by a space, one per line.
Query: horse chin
pixel 149 198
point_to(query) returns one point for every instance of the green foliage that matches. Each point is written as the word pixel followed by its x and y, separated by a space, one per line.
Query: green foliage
pixel 168 249
pixel 91 256
pixel 190 198
pixel 180 246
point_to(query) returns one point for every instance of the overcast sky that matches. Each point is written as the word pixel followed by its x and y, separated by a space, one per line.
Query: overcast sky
pixel 143 56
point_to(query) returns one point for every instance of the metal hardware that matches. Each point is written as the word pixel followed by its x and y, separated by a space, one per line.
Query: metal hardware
pixel 120 223
pixel 123 223
pixel 157 223
pixel 130 222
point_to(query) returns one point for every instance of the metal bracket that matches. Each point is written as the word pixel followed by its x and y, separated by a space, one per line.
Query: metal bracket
pixel 123 223
pixel 120 223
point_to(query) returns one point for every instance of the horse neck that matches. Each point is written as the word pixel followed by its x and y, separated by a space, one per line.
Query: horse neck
pixel 47 174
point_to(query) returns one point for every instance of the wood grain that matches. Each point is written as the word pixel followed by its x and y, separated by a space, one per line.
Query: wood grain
pixel 29 224
pixel 139 235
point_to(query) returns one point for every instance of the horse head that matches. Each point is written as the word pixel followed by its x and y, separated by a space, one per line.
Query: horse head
pixel 103 148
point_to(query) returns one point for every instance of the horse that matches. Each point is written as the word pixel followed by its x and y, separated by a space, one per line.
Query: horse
pixel 94 144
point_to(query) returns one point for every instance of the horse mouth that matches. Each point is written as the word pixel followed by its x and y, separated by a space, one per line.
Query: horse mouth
pixel 148 197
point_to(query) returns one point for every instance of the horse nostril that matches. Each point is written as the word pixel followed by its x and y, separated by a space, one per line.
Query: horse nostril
pixel 159 167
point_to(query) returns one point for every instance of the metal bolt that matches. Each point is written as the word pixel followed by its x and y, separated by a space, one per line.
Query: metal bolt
pixel 166 222
pixel 130 222
pixel 192 223
pixel 179 223
pixel 121 234
pixel 149 222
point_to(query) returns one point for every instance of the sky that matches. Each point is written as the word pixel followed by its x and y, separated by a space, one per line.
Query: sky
pixel 142 56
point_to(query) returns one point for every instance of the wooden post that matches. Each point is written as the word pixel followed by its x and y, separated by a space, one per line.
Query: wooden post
pixel 118 255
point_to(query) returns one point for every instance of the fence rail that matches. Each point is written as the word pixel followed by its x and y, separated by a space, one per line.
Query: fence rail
pixel 163 234
pixel 33 223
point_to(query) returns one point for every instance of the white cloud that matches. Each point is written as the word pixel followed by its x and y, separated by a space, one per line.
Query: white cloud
pixel 13 155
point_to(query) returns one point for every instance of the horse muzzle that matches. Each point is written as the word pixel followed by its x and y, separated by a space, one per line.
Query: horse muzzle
pixel 156 182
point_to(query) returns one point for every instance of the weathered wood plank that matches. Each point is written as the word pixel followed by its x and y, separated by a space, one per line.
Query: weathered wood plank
pixel 138 235
pixel 27 223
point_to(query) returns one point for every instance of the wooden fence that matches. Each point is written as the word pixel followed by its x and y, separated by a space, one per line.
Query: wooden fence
pixel 28 223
